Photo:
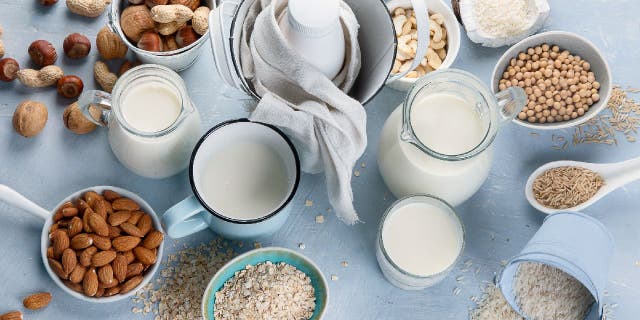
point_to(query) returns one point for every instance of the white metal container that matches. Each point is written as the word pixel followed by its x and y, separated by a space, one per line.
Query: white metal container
pixel 178 60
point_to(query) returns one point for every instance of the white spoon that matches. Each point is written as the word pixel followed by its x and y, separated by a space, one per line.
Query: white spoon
pixel 615 175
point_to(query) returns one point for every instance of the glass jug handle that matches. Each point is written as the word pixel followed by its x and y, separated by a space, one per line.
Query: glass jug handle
pixel 96 106
pixel 510 103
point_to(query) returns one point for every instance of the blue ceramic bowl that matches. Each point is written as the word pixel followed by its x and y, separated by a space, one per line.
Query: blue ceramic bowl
pixel 275 255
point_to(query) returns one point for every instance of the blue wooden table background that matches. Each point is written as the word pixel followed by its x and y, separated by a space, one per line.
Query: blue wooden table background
pixel 497 219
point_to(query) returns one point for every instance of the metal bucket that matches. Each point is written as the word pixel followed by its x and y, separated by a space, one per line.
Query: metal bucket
pixel 178 60
pixel 376 37
pixel 575 243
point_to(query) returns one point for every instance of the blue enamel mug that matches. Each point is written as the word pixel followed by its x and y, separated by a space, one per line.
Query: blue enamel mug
pixel 238 193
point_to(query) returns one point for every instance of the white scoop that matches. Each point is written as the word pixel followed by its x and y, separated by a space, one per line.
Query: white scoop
pixel 615 175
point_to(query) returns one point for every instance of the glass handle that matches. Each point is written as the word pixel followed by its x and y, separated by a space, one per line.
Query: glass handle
pixel 96 106
pixel 510 103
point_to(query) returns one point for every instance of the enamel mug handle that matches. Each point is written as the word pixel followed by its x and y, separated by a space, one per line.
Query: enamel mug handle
pixel 510 103
pixel 422 20
pixel 184 218
pixel 12 197
pixel 96 106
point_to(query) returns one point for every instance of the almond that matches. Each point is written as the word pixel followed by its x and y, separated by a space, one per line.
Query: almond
pixel 145 224
pixel 91 197
pixel 12 315
pixel 57 268
pixel 118 217
pixel 130 256
pixel 105 274
pixel 134 269
pixel 75 226
pixel 114 232
pixel 60 241
pixel 103 258
pixel 135 217
pixel 77 287
pixel 110 284
pixel 37 300
pixel 111 195
pixel 144 255
pixel 131 230
pixel 85 220
pixel 50 252
pixel 90 283
pixel 80 241
pixel 125 243
pixel 98 224
pixel 100 207
pixel 119 266
pixel 124 204
pixel 77 274
pixel 57 216
pixel 86 255
pixel 102 243
pixel 82 205
pixel 100 292
pixel 53 229
pixel 130 284
pixel 69 260
pixel 69 212
pixel 110 292
pixel 153 239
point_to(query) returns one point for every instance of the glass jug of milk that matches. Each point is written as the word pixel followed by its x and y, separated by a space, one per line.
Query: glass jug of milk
pixel 440 141
pixel 153 125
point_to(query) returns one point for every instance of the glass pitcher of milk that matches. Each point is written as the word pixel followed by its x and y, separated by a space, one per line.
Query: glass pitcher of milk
pixel 153 125
pixel 440 141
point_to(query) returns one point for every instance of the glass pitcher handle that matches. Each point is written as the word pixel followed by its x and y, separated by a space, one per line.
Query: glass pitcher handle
pixel 96 106
pixel 510 103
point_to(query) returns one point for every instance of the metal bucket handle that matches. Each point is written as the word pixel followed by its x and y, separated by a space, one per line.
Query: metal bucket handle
pixel 422 20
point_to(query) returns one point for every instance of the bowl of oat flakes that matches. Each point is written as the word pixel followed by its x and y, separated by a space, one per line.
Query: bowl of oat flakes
pixel 269 283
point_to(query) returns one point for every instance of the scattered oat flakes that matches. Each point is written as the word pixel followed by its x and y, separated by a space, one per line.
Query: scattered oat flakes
pixel 363 165
pixel 637 263
pixel 334 277
pixel 319 219
pixel 266 291
pixel 301 246
pixel 356 173
pixel 344 264
pixel 308 203
pixel 456 291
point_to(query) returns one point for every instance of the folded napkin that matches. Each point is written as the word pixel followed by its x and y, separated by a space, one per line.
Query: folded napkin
pixel 327 126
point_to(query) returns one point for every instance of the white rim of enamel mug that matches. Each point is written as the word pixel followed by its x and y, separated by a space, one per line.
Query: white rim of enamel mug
pixel 452 51
pixel 45 241
pixel 323 279
pixel 380 241
pixel 513 52
pixel 114 25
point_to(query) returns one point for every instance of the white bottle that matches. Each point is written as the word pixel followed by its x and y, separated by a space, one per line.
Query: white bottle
pixel 314 30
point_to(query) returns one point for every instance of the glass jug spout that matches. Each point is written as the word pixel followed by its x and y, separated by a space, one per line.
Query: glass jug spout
pixel 510 103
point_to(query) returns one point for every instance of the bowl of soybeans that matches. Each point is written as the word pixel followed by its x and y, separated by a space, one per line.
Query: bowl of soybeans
pixel 565 77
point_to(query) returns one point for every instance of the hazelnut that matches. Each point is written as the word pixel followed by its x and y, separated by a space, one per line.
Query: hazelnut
pixel 75 120
pixel 8 69
pixel 186 36
pixel 70 86
pixel 76 46
pixel 48 2
pixel 110 46
pixel 153 3
pixel 191 4
pixel 43 53
pixel 30 118
pixel 150 41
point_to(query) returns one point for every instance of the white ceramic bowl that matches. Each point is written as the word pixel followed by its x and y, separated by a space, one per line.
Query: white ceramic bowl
pixel 453 41
pixel 577 45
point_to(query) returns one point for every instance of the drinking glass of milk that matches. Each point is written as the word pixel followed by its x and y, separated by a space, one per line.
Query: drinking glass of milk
pixel 420 238
pixel 440 141
pixel 153 125
pixel 243 176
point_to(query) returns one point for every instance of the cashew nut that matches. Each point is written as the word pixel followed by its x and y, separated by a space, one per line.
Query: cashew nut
pixel 433 59
pixel 398 23
pixel 436 31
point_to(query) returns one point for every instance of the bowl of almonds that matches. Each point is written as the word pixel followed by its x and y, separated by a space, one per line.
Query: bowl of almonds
pixel 444 41
pixel 565 77
pixel 101 244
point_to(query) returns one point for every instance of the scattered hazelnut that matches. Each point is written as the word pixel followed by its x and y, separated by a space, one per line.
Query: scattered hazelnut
pixel 43 53
pixel 70 86
pixel 186 36
pixel 30 118
pixel 150 41
pixel 8 69
pixel 76 46
pixel 48 2
pixel 75 120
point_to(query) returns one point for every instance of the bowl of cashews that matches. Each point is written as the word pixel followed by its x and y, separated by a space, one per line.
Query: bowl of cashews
pixel 444 42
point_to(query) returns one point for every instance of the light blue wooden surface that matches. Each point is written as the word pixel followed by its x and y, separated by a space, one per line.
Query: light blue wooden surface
pixel 497 219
